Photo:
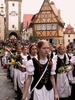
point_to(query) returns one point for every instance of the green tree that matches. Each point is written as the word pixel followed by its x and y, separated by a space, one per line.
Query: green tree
pixel 33 38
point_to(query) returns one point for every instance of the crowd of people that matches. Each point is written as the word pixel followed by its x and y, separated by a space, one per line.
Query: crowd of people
pixel 40 71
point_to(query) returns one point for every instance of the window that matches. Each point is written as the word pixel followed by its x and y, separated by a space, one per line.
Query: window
pixel 13 4
pixel 46 27
pixel 54 41
pixel 13 26
pixel 46 15
pixel 69 31
pixel 69 40
pixel 69 35
pixel 38 27
pixel 49 26
pixel 43 26
pixel 53 26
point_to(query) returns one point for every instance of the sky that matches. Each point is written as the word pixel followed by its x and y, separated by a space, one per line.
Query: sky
pixel 67 8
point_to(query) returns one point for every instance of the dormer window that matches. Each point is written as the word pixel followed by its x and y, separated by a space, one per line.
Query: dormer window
pixel 69 31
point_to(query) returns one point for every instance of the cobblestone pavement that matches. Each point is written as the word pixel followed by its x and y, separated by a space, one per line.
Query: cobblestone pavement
pixel 6 86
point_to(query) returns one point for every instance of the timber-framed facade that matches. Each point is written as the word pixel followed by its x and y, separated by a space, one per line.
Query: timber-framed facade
pixel 47 23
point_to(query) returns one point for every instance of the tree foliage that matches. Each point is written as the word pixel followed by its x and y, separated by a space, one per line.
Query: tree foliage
pixel 33 38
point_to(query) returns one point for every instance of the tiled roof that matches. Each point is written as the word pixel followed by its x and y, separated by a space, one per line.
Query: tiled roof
pixel 54 8
pixel 56 11
pixel 27 20
pixel 69 30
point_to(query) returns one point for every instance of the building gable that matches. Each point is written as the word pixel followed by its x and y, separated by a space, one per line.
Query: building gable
pixel 48 24
pixel 46 14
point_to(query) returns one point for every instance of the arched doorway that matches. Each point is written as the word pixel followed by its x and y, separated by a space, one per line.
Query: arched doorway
pixel 13 35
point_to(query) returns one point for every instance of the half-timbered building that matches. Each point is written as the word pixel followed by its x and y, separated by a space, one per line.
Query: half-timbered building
pixel 48 24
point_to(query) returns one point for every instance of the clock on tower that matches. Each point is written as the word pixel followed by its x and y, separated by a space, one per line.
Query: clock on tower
pixel 13 13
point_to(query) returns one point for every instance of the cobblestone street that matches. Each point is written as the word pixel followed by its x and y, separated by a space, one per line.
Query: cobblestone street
pixel 6 86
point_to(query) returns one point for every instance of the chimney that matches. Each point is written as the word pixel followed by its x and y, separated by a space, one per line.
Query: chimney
pixel 59 14
pixel 52 3
pixel 46 0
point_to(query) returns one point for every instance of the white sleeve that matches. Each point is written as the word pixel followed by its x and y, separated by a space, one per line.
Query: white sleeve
pixel 24 61
pixel 54 61
pixel 73 60
pixel 67 59
pixel 30 67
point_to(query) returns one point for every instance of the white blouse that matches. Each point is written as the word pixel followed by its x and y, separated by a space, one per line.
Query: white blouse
pixel 61 57
pixel 30 66
pixel 73 60
pixel 25 60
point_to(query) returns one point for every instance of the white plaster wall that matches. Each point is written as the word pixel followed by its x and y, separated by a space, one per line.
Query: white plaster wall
pixel 13 20
pixel 66 38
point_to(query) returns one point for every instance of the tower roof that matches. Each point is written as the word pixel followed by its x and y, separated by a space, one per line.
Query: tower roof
pixel 69 29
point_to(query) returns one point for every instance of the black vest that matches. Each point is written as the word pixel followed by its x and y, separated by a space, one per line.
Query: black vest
pixel 46 78
pixel 51 55
pixel 28 57
pixel 69 58
pixel 60 62
pixel 73 72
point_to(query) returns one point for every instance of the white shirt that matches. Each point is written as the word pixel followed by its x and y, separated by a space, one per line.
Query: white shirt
pixel 30 66
pixel 25 60
pixel 61 57
pixel 73 60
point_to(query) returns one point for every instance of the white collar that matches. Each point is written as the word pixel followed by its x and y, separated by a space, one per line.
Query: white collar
pixel 61 56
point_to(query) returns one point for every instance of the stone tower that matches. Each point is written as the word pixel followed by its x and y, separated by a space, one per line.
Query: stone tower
pixel 13 19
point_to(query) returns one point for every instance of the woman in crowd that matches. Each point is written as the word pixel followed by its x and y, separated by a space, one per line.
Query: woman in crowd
pixel 25 51
pixel 62 83
pixel 22 76
pixel 73 78
pixel 45 89
pixel 18 58
pixel 70 54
